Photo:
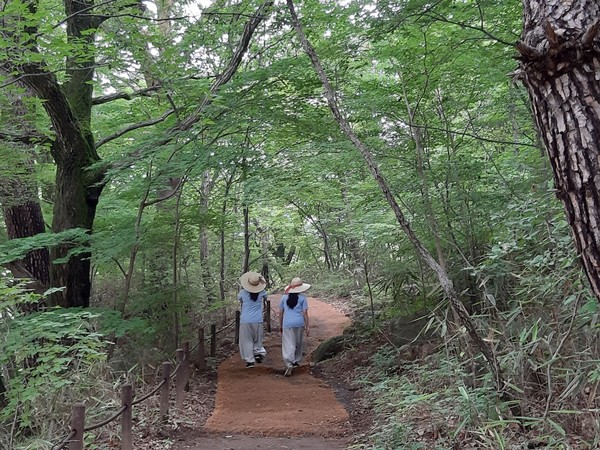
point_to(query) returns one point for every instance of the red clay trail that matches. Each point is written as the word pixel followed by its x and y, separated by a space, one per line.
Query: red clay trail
pixel 260 408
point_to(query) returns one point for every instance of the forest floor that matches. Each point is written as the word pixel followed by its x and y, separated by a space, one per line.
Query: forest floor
pixel 258 408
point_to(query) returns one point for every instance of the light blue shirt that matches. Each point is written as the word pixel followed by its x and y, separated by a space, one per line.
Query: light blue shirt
pixel 293 317
pixel 252 311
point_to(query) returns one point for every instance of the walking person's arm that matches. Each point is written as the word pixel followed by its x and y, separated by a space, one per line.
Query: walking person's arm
pixel 306 324
pixel 281 320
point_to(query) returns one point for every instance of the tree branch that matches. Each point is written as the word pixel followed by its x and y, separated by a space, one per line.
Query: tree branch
pixel 80 12
pixel 463 133
pixel 135 126
pixel 480 28
pixel 125 95
pixel 19 271
pixel 24 138
pixel 234 63
pixel 528 51
pixel 171 194
pixel 104 17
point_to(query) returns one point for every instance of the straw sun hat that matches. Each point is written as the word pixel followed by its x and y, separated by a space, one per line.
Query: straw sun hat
pixel 253 282
pixel 296 286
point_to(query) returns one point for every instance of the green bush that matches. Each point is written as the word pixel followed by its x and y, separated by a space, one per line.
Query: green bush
pixel 51 359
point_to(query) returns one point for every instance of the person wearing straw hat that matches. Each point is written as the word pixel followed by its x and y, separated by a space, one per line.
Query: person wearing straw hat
pixel 293 323
pixel 251 318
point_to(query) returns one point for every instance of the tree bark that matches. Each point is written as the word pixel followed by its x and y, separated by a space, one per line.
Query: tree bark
pixel 416 135
pixel 205 191
pixel 503 390
pixel 222 268
pixel 559 64
pixel 3 399
pixel 25 220
pixel 78 187
pixel 246 258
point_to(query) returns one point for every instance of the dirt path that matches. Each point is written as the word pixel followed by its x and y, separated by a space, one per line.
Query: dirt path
pixel 260 408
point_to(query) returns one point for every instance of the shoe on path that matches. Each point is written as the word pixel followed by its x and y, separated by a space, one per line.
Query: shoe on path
pixel 249 365
pixel 288 371
pixel 258 358
pixel 296 364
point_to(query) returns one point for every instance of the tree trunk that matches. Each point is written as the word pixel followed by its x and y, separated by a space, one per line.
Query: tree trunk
pixel 222 267
pixel 78 187
pixel 290 256
pixel 74 207
pixel 416 135
pixel 175 295
pixel 3 399
pixel 263 235
pixel 246 258
pixel 559 65
pixel 25 220
pixel 264 245
pixel 205 190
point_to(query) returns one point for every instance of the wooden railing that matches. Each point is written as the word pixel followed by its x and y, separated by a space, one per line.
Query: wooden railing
pixel 75 438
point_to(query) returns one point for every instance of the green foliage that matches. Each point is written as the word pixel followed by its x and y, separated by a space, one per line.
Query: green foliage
pixel 433 404
pixel 17 248
pixel 52 354
pixel 44 352
pixel 423 404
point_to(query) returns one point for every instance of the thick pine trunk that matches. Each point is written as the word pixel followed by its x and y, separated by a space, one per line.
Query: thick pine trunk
pixel 560 67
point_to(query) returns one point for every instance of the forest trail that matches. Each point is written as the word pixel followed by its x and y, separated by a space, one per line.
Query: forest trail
pixel 260 408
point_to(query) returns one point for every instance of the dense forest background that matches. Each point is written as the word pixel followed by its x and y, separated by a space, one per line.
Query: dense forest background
pixel 386 152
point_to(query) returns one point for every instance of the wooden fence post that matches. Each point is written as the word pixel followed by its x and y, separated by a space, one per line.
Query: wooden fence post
pixel 164 391
pixel 186 364
pixel 77 424
pixel 201 363
pixel 179 379
pixel 213 340
pixel 237 327
pixel 268 302
pixel 127 417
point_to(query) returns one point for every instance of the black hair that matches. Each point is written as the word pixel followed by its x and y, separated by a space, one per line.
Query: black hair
pixel 292 300
pixel 254 296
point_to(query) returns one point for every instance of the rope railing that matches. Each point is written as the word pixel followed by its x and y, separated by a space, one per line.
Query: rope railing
pixel 149 394
pixel 208 338
pixel 181 376
pixel 107 421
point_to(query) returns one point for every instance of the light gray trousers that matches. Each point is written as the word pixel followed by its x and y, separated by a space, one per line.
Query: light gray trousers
pixel 292 344
pixel 251 341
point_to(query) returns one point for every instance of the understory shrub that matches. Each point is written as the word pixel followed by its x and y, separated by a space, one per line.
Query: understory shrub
pixel 51 359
